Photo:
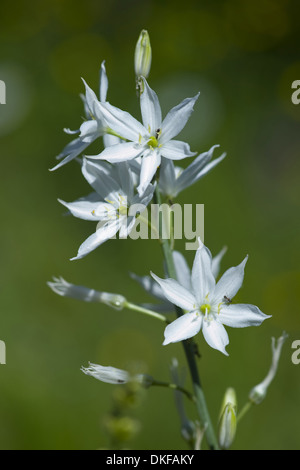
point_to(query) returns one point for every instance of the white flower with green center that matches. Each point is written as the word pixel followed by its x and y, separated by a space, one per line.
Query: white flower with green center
pixel 151 140
pixel 113 204
pixel 183 276
pixel 208 303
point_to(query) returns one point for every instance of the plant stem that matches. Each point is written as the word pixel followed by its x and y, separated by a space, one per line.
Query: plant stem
pixel 145 311
pixel 244 410
pixel 189 346
pixel 174 387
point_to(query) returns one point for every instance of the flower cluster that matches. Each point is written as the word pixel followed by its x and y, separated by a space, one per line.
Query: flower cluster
pixel 137 163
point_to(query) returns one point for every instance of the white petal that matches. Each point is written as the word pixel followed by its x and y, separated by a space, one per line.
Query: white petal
pixel 119 153
pixel 215 335
pixel 100 179
pixel 89 131
pixel 241 315
pixel 150 109
pixel 184 327
pixel 176 150
pixel 210 166
pixel 103 234
pixel 183 272
pixel 216 262
pixel 121 122
pixel 91 98
pixel 150 163
pixel 176 119
pixel 230 283
pixel 176 294
pixel 194 171
pixel 103 83
pixel 203 280
pixel 125 177
pixel 167 177
pixel 70 152
pixel 150 286
pixel 82 208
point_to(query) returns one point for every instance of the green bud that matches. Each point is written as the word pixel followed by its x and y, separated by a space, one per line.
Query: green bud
pixel 143 55
pixel 227 421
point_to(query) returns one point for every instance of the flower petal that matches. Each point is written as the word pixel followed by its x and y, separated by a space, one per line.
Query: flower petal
pixel 121 122
pixel 216 261
pixel 184 327
pixel 70 152
pixel 99 177
pixel 215 335
pixel 182 269
pixel 103 83
pixel 241 315
pixel 150 109
pixel 167 177
pixel 176 294
pixel 103 234
pixel 89 131
pixel 150 163
pixel 119 152
pixel 83 208
pixel 176 119
pixel 230 283
pixel 203 280
pixel 176 150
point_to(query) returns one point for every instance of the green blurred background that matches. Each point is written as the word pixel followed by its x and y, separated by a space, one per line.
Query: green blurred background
pixel 243 56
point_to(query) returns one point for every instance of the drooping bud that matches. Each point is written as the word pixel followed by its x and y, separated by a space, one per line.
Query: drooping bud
pixel 227 421
pixel 143 55
pixel 65 289
pixel 259 392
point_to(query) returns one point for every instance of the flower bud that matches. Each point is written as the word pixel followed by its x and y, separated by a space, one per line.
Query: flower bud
pixel 259 392
pixel 65 289
pixel 227 421
pixel 143 55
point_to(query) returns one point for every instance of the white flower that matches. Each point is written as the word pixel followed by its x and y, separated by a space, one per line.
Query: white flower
pixel 207 303
pixel 112 375
pixel 113 203
pixel 92 128
pixel 173 180
pixel 65 289
pixel 151 140
pixel 183 276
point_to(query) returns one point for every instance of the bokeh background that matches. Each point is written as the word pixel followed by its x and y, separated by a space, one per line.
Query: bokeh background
pixel 243 56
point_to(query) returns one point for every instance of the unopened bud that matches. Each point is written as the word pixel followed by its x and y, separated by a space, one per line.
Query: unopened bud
pixel 143 55
pixel 65 289
pixel 227 422
pixel 259 392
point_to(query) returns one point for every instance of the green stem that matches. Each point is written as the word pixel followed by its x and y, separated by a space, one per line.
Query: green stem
pixel 189 348
pixel 173 386
pixel 244 410
pixel 145 311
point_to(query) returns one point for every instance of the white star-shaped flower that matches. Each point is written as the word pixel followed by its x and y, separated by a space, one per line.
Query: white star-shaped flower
pixel 208 303
pixel 113 204
pixel 152 139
